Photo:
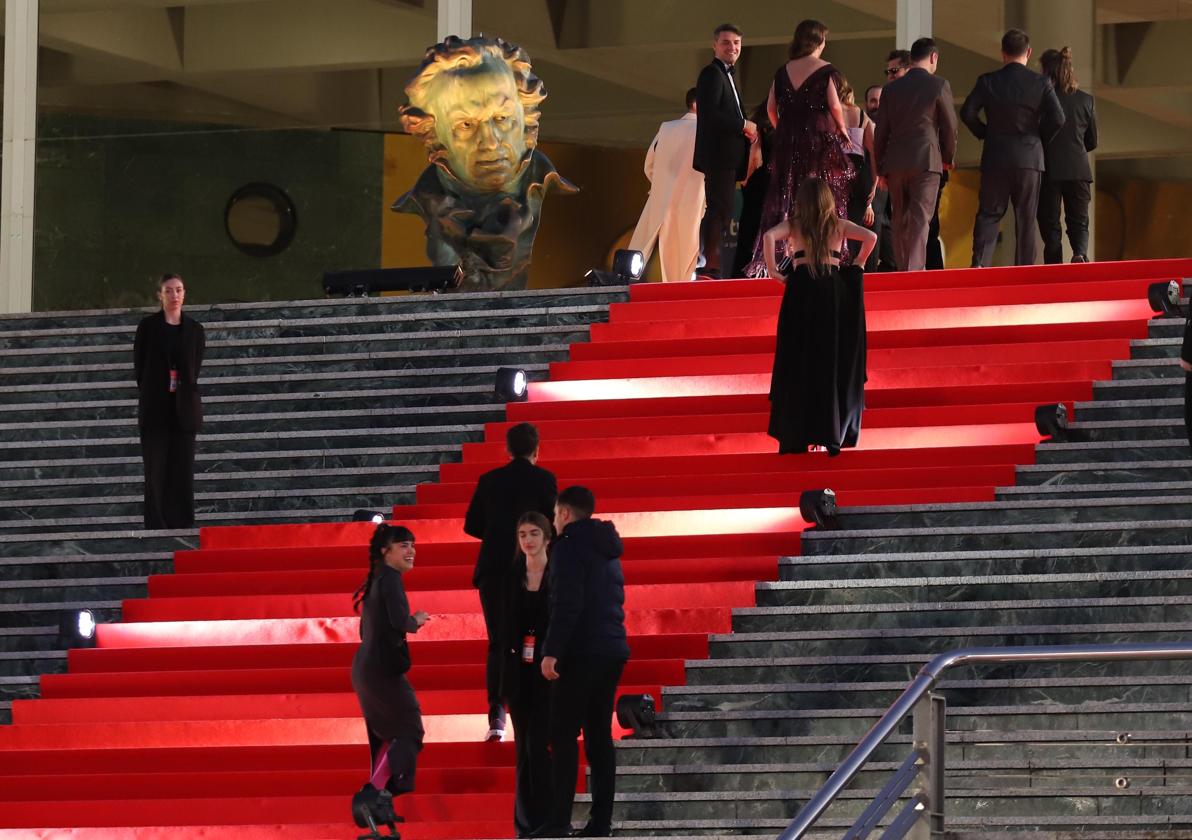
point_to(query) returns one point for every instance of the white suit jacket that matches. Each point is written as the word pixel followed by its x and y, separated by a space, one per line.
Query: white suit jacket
pixel 676 204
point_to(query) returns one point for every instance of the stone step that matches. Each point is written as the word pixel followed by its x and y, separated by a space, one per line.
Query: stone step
pixel 855 722
pixel 264 516
pixel 991 690
pixel 900 613
pixel 48 612
pixel 403 400
pixel 70 320
pixel 281 425
pixel 1165 387
pixel 1148 368
pixel 29 639
pixel 1098 431
pixel 1015 511
pixel 130 467
pixel 281 387
pixel 1133 772
pixel 234 351
pixel 213 446
pixel 962 827
pixel 48 567
pixel 1111 452
pixel 1009 561
pixel 1100 472
pixel 128 541
pixel 503 318
pixel 217 373
pixel 1155 348
pixel 985 537
pixel 1089 806
pixel 1166 409
pixel 271 478
pixel 281 504
pixel 1090 491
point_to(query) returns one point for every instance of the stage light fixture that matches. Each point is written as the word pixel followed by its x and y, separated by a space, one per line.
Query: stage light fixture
pixel 511 384
pixel 76 629
pixel 362 282
pixel 629 264
pixel 1051 421
pixel 1164 298
pixel 372 516
pixel 637 713
pixel 818 508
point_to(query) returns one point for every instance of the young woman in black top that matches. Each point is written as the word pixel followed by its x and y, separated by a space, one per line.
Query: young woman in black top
pixel 391 711
pixel 523 688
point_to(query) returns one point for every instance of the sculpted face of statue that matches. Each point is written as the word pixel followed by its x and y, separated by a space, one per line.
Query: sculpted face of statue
pixel 481 124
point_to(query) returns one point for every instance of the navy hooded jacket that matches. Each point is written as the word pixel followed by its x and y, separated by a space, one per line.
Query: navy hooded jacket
pixel 587 593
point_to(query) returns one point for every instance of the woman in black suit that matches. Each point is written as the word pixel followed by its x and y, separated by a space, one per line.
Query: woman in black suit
pixel 167 355
pixel 523 687
pixel 392 715
pixel 1068 177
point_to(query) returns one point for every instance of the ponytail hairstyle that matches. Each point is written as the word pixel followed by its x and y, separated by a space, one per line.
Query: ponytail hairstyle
pixel 813 215
pixel 1057 66
pixel 384 536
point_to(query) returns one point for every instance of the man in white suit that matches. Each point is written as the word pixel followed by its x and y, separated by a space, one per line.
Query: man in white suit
pixel 673 211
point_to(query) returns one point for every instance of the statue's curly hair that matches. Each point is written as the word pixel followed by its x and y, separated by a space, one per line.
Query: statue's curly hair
pixel 455 53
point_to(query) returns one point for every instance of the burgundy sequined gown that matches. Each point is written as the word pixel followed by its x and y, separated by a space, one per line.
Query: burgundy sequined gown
pixel 806 142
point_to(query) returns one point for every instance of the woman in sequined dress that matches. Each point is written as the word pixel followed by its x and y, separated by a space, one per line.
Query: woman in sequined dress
pixel 810 135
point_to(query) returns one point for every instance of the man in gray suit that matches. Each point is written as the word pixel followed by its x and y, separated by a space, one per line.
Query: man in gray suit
pixel 1021 112
pixel 914 143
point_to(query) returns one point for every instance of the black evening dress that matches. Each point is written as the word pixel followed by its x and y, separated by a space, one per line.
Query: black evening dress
pixel 806 143
pixel 391 711
pixel 818 383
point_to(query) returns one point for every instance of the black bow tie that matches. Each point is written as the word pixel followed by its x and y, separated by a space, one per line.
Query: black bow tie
pixel 728 68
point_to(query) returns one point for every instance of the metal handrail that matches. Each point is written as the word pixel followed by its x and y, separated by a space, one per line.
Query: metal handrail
pixel 925 681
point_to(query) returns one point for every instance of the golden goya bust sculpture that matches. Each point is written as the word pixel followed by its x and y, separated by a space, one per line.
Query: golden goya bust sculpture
pixel 474 104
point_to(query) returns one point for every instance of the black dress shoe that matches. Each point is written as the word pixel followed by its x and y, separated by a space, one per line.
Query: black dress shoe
pixel 592 830
pixel 551 831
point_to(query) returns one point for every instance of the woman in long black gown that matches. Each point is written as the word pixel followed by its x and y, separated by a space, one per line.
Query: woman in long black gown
pixel 817 386
pixel 391 711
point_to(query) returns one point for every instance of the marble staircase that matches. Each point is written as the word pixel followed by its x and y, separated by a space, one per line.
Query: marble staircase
pixel 1090 545
pixel 313 410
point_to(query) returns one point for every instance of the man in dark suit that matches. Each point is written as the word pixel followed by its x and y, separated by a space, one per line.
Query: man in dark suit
pixel 882 258
pixel 914 143
pixel 1021 111
pixel 167 354
pixel 722 138
pixel 501 497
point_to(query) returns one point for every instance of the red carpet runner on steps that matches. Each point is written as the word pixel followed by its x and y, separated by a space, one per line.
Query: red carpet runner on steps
pixel 223 699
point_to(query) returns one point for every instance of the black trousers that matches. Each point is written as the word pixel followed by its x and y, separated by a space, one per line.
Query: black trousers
pixel 1075 197
pixel 999 189
pixel 529 714
pixel 882 258
pixel 935 247
pixel 402 750
pixel 858 196
pixel 1188 407
pixel 169 456
pixel 582 699
pixel 492 605
pixel 719 186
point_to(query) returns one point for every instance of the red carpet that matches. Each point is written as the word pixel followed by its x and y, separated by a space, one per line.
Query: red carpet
pixel 223 703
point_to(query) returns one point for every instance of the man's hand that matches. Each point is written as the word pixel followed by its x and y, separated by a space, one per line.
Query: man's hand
pixel 1186 365
pixel 750 130
pixel 867 220
pixel 548 667
pixel 421 617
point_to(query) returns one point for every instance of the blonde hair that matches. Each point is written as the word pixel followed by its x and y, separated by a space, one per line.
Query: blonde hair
pixel 847 95
pixel 813 215
pixel 455 55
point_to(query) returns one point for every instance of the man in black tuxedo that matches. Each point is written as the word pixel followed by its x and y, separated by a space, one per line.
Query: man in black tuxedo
pixel 501 497
pixel 722 138
pixel 1021 111
pixel 167 354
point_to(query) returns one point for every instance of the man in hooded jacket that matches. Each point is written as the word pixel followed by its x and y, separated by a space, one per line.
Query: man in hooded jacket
pixel 584 654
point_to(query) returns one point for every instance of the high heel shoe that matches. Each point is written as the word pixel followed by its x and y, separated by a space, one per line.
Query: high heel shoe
pixel 372 808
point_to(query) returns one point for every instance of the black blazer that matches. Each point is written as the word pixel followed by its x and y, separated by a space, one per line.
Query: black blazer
pixel 501 497
pixel 156 406
pixel 1021 110
pixel 1068 152
pixel 511 630
pixel 719 123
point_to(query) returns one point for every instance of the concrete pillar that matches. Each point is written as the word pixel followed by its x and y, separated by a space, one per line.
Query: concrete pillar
pixel 1066 23
pixel 20 150
pixel 455 18
pixel 913 21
